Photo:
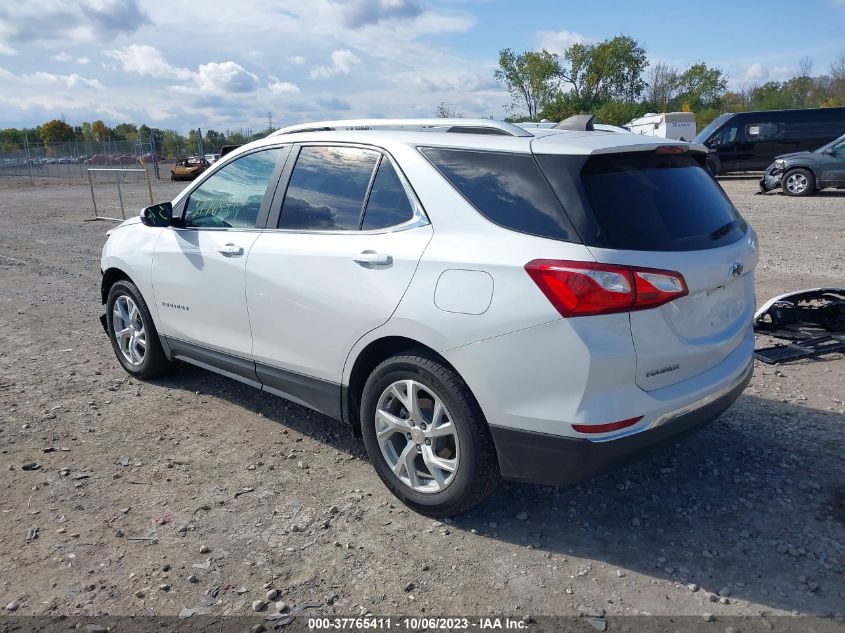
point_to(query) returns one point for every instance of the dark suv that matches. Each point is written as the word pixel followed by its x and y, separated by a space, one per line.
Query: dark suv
pixel 804 173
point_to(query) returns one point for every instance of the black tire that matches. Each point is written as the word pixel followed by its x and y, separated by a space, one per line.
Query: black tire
pixel 797 173
pixel 477 474
pixel 712 167
pixel 155 362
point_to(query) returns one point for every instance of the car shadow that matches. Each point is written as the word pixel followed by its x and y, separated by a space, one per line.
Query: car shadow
pixel 754 503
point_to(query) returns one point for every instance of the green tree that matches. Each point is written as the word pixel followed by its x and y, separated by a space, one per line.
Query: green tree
pixel 701 86
pixel 530 77
pixel 771 95
pixel 562 105
pixel 126 131
pixel 100 131
pixel 214 140
pixel 612 69
pixel 616 112
pixel 56 131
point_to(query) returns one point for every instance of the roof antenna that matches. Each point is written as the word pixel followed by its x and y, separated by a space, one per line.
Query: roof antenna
pixel 578 123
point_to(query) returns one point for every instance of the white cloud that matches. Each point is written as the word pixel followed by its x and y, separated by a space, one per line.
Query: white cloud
pixel 283 88
pixel 755 72
pixel 342 62
pixel 559 41
pixel 297 60
pixel 70 81
pixel 64 57
pixel 7 50
pixel 225 77
pixel 148 61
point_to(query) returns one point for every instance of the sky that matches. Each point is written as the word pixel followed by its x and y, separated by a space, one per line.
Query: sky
pixel 224 64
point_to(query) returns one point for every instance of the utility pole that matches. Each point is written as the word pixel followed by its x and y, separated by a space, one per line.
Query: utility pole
pixel 154 153
pixel 28 160
pixel 269 122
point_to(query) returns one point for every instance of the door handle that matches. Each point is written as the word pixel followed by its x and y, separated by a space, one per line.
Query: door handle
pixel 371 259
pixel 231 250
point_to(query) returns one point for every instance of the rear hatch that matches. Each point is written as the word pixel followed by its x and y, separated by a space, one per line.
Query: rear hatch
pixel 660 209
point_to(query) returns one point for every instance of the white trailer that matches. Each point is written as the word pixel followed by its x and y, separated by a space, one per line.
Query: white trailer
pixel 676 125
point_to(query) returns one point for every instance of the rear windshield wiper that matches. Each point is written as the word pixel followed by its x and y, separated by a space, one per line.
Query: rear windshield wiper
pixel 723 230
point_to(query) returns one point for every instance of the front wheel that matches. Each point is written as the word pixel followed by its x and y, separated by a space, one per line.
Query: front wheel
pixel 798 182
pixel 426 436
pixel 132 332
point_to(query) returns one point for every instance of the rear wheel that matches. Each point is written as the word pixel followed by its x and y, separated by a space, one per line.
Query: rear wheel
pixel 798 182
pixel 426 436
pixel 132 332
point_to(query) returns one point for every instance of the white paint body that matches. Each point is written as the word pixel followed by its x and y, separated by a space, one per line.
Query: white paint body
pixel 457 284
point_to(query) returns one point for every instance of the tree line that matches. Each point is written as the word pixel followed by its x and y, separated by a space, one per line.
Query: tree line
pixel 168 142
pixel 613 80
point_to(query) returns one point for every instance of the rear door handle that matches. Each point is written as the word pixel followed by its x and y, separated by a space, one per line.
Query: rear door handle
pixel 371 259
pixel 232 250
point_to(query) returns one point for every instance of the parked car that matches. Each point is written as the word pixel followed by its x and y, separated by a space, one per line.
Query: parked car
pixel 150 157
pixel 749 141
pixel 805 173
pixel 189 168
pixel 478 303
pixel 211 158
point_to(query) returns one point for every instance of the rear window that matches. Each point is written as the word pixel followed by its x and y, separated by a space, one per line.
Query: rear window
pixel 506 188
pixel 646 202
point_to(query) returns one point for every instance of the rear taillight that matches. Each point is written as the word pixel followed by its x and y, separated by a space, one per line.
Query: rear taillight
pixel 587 288
pixel 607 427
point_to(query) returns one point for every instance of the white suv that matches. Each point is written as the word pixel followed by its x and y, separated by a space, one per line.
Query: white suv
pixel 477 301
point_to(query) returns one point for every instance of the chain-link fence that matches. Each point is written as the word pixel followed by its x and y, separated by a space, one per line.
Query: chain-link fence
pixel 72 159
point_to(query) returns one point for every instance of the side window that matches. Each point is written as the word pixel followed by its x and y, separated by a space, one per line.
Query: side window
pixel 507 189
pixel 766 131
pixel 388 204
pixel 327 188
pixel 232 197
pixel 725 136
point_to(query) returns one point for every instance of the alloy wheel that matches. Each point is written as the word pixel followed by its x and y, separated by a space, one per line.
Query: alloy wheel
pixel 796 183
pixel 417 436
pixel 129 330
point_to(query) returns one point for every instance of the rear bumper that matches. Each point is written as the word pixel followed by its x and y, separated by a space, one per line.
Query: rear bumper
pixel 542 458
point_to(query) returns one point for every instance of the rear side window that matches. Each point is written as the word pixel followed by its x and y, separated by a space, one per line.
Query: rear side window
pixel 507 189
pixel 327 188
pixel 649 202
pixel 388 204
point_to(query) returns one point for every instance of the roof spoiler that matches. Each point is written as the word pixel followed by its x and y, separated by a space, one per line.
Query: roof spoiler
pixel 578 123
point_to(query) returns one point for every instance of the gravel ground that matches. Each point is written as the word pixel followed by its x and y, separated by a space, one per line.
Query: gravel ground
pixel 197 492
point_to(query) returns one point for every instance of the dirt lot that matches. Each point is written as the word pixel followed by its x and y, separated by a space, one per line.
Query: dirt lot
pixel 196 491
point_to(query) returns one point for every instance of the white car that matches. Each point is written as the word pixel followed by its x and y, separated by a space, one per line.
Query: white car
pixel 476 301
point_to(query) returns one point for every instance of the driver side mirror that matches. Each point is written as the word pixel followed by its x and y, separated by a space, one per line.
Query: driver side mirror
pixel 158 214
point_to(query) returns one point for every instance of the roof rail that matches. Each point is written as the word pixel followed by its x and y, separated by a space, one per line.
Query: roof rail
pixel 467 126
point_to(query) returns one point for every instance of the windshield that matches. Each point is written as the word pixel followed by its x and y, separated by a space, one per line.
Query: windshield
pixel 834 143
pixel 708 130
